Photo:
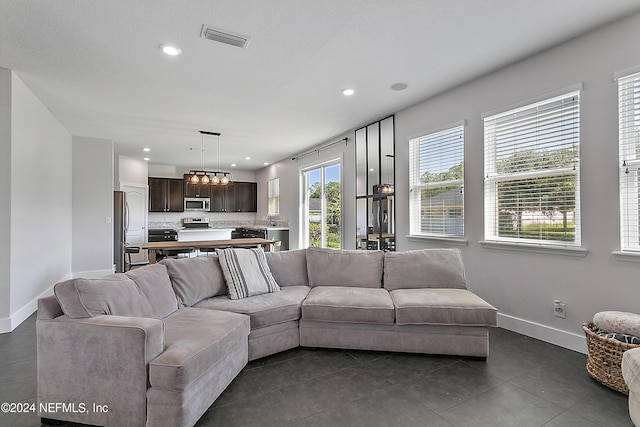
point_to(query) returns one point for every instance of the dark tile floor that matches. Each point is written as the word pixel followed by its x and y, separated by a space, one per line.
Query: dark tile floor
pixel 524 382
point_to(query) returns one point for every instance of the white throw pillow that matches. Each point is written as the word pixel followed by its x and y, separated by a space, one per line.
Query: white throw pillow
pixel 246 272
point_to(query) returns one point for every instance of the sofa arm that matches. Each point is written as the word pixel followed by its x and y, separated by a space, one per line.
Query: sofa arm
pixel 631 369
pixel 97 367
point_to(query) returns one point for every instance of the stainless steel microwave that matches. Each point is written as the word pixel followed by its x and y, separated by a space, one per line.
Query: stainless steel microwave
pixel 197 204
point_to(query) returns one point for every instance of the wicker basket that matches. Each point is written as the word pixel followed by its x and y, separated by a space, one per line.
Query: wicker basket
pixel 605 358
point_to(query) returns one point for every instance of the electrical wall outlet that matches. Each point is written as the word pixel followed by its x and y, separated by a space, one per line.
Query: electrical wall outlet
pixel 559 309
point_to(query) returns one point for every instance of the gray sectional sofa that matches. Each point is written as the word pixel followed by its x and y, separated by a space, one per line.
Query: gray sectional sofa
pixel 631 374
pixel 156 346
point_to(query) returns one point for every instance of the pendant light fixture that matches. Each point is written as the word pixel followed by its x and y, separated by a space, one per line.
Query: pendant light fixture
pixel 203 176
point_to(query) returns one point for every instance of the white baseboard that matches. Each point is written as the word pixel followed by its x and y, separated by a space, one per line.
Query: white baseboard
pixel 8 324
pixel 569 340
pixel 5 325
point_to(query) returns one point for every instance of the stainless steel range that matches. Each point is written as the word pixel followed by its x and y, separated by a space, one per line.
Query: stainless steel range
pixel 162 235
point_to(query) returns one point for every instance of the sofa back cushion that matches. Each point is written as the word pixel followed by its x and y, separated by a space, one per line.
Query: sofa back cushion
pixel 111 295
pixel 153 281
pixel 327 267
pixel 195 279
pixel 424 268
pixel 289 268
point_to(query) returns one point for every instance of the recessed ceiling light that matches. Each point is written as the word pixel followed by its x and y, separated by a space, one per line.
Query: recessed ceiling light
pixel 233 165
pixel 348 92
pixel 399 86
pixel 147 159
pixel 170 50
pixel 265 163
pixel 247 158
pixel 146 149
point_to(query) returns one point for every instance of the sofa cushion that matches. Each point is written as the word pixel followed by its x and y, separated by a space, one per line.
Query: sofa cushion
pixel 195 340
pixel 246 272
pixel 442 307
pixel 348 304
pixel 289 268
pixel 153 281
pixel 424 268
pixel 631 369
pixel 264 310
pixel 115 295
pixel 195 279
pixel 327 267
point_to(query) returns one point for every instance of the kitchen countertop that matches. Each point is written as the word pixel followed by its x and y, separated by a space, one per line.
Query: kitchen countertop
pixel 264 227
pixel 188 230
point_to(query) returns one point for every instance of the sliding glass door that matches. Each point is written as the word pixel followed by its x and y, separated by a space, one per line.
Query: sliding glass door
pixel 322 219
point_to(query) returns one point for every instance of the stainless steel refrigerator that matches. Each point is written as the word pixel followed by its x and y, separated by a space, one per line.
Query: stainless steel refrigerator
pixel 119 229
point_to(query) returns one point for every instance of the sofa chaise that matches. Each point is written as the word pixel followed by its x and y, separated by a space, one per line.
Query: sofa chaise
pixel 156 346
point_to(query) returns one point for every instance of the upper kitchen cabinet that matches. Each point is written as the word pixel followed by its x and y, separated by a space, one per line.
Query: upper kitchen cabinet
pixel 195 190
pixel 246 197
pixel 236 197
pixel 166 195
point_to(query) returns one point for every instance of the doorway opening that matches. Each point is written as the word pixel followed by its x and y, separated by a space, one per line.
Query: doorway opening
pixel 322 219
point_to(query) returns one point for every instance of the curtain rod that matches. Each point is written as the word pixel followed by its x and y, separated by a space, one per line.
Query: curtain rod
pixel 317 150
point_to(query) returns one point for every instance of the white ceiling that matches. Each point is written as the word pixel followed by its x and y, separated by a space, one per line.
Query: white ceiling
pixel 98 67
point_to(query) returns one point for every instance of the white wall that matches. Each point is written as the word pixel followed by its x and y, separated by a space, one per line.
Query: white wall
pixel 290 173
pixel 5 194
pixel 92 204
pixel 130 171
pixel 167 171
pixel 40 205
pixel 523 285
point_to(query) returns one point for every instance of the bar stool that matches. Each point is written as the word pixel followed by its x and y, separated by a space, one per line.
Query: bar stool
pixel 128 250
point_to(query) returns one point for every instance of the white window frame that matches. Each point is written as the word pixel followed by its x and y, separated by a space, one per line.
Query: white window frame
pixel 273 196
pixel 304 206
pixel 446 149
pixel 629 161
pixel 493 177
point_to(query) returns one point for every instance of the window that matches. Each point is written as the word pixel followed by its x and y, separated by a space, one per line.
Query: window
pixel 436 179
pixel 273 196
pixel 629 149
pixel 532 174
pixel 322 206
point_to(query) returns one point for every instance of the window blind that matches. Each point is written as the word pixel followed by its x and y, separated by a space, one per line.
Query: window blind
pixel 532 177
pixel 629 152
pixel 436 178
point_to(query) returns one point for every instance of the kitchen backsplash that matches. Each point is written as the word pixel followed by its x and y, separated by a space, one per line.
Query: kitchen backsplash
pixel 162 220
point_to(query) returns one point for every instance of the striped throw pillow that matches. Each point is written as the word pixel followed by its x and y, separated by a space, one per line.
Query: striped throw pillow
pixel 246 272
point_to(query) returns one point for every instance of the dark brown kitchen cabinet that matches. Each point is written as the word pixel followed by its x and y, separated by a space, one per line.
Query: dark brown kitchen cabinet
pixel 195 190
pixel 236 197
pixel 166 195
pixel 246 197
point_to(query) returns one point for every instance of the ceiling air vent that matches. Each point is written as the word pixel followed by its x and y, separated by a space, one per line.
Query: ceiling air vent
pixel 226 37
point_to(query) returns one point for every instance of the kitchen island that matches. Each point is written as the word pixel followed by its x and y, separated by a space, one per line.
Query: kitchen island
pixel 201 234
pixel 154 247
